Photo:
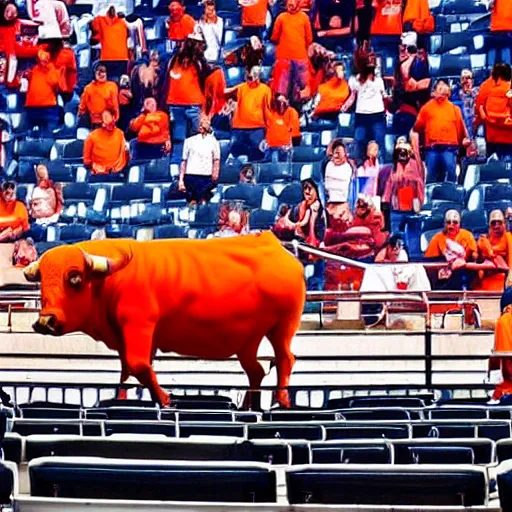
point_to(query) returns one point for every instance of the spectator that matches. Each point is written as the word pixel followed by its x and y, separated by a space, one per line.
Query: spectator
pixel 253 100
pixel 370 121
pixel 233 220
pixel 279 121
pixel 368 172
pixel 152 128
pixel 254 17
pixel 496 249
pixel 393 251
pixel 339 181
pixel 335 17
pixel 496 113
pixel 332 95
pixel 292 34
pixel 212 27
pixel 24 253
pixel 456 246
pixel 411 89
pixel 487 86
pixel 46 202
pixel 184 87
pixel 145 79
pixel 247 174
pixel 126 104
pixel 441 123
pixel 501 16
pixel 417 17
pixel 97 96
pixel 180 25
pixel 367 215
pixel 464 96
pixel 41 100
pixel 388 18
pixel 112 32
pixel 199 170
pixel 365 10
pixel 320 67
pixel 105 150
pixel 13 214
pixel 63 58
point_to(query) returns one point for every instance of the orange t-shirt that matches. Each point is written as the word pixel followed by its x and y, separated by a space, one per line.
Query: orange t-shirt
pixel 333 94
pixel 105 150
pixel 484 91
pixel 279 128
pixel 295 122
pixel 437 246
pixel 418 12
pixel 184 86
pixel 293 35
pixel 43 86
pixel 13 215
pixel 490 247
pixel 498 109
pixel 66 61
pixel 112 34
pixel 179 30
pixel 251 105
pixel 255 15
pixel 501 16
pixel 152 128
pixel 214 86
pixel 441 122
pixel 503 343
pixel 98 96
pixel 388 18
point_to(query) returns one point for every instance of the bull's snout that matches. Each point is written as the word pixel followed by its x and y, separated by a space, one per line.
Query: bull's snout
pixel 47 324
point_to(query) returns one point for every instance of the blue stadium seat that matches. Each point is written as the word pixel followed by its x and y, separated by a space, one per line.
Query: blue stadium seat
pixel 130 192
pixel 119 231
pixel 6 484
pixel 122 413
pixel 261 219
pixel 49 410
pixel 291 194
pixel 229 173
pixel 207 216
pixel 352 452
pixel 170 481
pixel 453 413
pixel 288 416
pixel 271 172
pixel 75 233
pixel 158 171
pixel 474 221
pixel 31 427
pixel 380 414
pixel 286 431
pixel 188 429
pixel 404 402
pixel 170 231
pixel 250 194
pixel 503 450
pixel 79 193
pixel 12 446
pixel 392 485
pixel 368 431
pixel 166 428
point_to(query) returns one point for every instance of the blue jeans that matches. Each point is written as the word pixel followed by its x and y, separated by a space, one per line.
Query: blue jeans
pixel 369 127
pixel 441 163
pixel 247 142
pixel 409 225
pixel 184 121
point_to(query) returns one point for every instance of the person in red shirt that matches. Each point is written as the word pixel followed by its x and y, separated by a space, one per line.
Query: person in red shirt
pixel 152 128
pixel 278 121
pixel 292 35
pixel 41 100
pixel 444 131
pixel 112 32
pixel 180 25
pixel 248 125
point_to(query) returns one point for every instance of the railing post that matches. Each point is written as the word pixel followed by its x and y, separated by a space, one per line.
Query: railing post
pixel 428 357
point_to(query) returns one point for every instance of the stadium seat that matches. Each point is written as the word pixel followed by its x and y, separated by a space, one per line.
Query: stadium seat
pixel 75 193
pixel 200 416
pixel 287 416
pixel 49 410
pixel 352 452
pixel 170 231
pixel 12 446
pixel 367 431
pixel 188 429
pixel 275 430
pixel 130 192
pixel 166 428
pixel 404 402
pixel 7 483
pixel 385 413
pixel 251 195
pixel 262 219
pixel 63 477
pixel 453 413
pixel 349 484
pixel 30 427
pixel 271 172
pixel 290 194
pixel 123 413
pixel 158 171
pixel 229 173
pixel 119 231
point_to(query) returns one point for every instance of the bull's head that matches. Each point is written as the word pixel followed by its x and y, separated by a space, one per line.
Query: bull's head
pixel 68 276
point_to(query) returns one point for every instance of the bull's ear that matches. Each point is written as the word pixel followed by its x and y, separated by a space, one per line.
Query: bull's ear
pixel 31 272
pixel 100 265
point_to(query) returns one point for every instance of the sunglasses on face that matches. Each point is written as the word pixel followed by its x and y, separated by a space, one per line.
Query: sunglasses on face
pixel 453 222
pixel 496 222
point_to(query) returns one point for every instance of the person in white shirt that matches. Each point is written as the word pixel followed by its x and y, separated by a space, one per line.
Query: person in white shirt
pixel 199 170
pixel 212 27
pixel 368 91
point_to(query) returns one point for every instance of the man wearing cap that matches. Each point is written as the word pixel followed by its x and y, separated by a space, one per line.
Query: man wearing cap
pixel 503 344
pixel 495 248
pixel 456 246
pixel 464 96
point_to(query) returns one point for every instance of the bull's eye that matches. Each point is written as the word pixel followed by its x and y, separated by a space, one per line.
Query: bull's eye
pixel 75 280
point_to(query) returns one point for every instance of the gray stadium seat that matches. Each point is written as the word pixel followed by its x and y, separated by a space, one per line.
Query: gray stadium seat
pixel 64 477
pixel 388 485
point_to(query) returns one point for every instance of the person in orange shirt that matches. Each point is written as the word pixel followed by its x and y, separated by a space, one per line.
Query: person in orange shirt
pixel 248 126
pixel 180 25
pixel 152 128
pixel 501 16
pixel 41 100
pixel 295 124
pixel 417 17
pixel 112 32
pixel 292 35
pixel 13 214
pixel 332 95
pixel 495 249
pixel 444 130
pixel 254 17
pixel 388 18
pixel 184 87
pixel 105 150
pixel 496 113
pixel 63 58
pixel 278 121
pixel 456 246
pixel 97 96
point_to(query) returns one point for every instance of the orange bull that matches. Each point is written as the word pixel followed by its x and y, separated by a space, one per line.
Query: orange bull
pixel 205 298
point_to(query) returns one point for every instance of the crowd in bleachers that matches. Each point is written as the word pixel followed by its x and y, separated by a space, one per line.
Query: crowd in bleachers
pixel 375 129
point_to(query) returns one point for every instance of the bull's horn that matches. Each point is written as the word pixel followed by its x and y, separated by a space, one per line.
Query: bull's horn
pixel 31 272
pixel 101 264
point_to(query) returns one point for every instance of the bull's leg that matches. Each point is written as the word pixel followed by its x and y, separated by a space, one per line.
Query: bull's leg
pixel 255 372
pixel 138 344
pixel 281 337
pixel 122 394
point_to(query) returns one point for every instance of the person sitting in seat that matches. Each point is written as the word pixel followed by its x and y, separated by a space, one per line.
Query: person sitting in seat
pixel 13 214
pixel 46 202
pixel 105 150
pixel 393 251
pixel 456 247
